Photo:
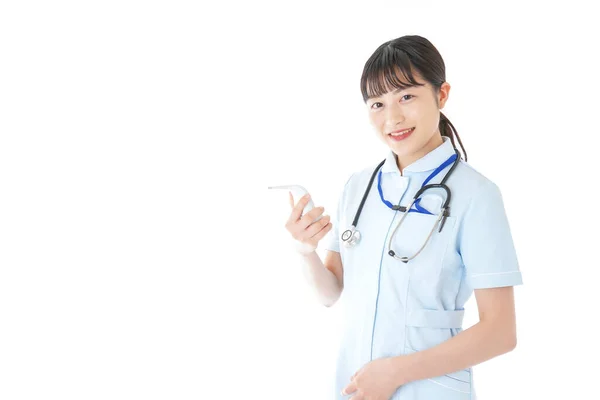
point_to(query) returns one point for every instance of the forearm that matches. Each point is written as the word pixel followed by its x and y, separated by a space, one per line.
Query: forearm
pixel 322 280
pixel 472 346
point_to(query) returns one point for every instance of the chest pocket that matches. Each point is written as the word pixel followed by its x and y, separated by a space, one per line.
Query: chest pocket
pixel 413 233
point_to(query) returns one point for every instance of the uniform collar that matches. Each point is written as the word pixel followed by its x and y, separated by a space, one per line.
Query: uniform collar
pixel 428 162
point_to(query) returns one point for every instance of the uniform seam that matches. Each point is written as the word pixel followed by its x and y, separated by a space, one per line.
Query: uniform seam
pixel 460 226
pixel 495 273
pixel 477 193
pixel 451 388
pixel 454 230
pixel 379 283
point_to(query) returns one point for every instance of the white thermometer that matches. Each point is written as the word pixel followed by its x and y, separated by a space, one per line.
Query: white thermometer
pixel 298 191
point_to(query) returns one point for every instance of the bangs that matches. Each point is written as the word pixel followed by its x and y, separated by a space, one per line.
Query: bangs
pixel 387 70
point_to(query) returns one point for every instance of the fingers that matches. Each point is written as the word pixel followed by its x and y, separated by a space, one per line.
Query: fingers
pixel 297 210
pixel 304 228
pixel 317 227
pixel 317 238
pixel 351 388
pixel 315 232
pixel 310 217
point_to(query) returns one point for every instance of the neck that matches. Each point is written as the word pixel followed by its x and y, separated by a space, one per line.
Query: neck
pixel 435 141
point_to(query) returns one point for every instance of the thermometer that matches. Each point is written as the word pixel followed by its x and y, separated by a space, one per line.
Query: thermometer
pixel 298 191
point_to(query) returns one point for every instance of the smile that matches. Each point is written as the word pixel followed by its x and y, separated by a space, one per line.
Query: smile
pixel 401 135
pixel 404 132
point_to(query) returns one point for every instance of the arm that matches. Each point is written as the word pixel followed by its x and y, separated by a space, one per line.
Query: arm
pixel 493 335
pixel 325 278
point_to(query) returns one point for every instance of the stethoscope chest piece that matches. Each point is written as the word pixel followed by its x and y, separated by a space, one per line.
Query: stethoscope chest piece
pixel 351 237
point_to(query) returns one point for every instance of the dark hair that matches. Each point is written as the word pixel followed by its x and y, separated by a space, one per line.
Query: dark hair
pixel 402 56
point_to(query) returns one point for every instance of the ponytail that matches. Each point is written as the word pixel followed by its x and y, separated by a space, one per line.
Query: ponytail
pixel 447 129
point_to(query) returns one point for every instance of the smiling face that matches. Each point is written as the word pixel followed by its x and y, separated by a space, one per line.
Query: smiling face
pixel 412 107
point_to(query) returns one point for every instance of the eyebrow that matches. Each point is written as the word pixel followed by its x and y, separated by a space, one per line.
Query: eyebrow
pixel 395 91
pixel 404 88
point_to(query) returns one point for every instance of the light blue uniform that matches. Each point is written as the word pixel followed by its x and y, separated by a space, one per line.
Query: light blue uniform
pixel 392 308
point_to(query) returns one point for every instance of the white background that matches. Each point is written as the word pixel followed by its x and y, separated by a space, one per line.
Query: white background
pixel 141 254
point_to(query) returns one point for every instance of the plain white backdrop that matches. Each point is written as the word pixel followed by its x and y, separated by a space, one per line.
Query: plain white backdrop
pixel 141 254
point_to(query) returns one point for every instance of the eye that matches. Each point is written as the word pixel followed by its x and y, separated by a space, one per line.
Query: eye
pixel 407 96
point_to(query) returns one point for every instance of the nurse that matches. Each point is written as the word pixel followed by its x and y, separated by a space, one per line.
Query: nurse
pixel 403 335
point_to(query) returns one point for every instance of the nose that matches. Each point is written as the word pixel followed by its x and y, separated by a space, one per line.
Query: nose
pixel 394 115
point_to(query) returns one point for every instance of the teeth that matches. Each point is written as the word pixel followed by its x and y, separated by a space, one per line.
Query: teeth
pixel 402 133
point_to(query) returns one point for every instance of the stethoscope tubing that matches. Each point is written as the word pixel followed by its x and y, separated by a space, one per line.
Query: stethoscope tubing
pixel 351 236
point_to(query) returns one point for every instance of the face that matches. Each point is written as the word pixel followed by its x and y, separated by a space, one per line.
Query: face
pixel 417 107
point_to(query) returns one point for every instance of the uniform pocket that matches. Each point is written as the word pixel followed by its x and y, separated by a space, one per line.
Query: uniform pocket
pixel 426 329
pixel 452 386
pixel 442 387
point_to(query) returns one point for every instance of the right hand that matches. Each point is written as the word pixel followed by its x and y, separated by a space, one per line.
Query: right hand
pixel 303 228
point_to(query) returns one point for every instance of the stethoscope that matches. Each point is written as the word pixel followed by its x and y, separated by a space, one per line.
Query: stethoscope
pixel 352 236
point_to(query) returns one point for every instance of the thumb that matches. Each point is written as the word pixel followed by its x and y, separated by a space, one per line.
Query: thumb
pixel 291 200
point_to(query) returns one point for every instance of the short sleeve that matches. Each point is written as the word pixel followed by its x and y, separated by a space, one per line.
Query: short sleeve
pixel 485 242
pixel 332 239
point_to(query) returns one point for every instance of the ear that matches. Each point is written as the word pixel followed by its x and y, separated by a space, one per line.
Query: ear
pixel 443 94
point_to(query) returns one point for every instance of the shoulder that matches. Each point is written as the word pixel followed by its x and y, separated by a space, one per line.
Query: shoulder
pixel 468 178
pixel 472 189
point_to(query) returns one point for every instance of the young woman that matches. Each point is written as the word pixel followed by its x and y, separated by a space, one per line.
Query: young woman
pixel 431 230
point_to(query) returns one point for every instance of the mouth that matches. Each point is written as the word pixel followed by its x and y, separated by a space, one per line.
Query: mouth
pixel 401 135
